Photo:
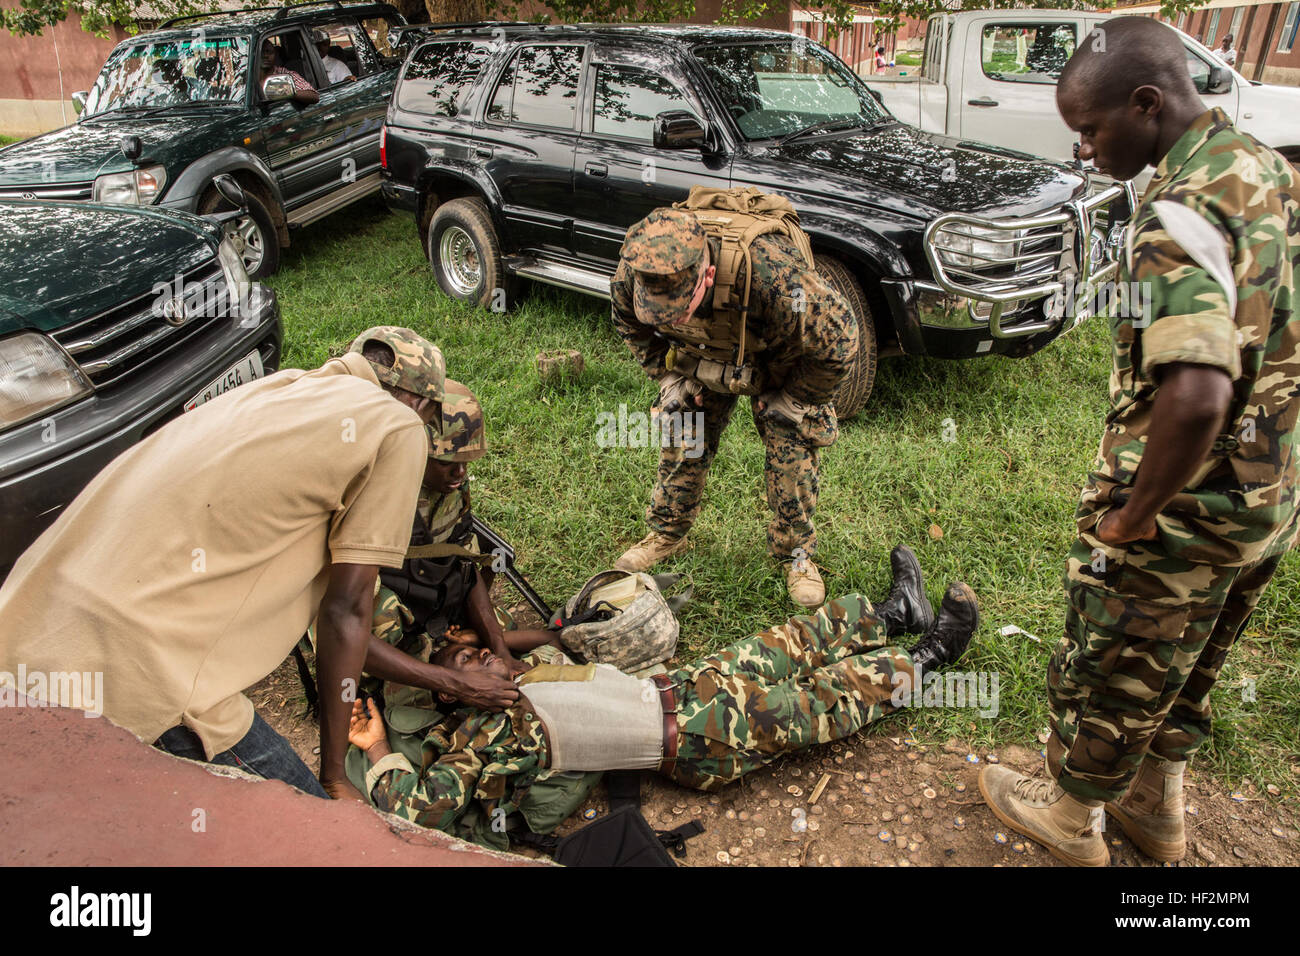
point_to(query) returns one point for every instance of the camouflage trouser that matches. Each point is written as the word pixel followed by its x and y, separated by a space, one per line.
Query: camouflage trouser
pixel 1146 635
pixel 790 470
pixel 814 679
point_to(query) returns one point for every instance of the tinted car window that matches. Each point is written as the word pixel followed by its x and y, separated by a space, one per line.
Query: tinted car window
pixel 627 101
pixel 438 78
pixel 539 87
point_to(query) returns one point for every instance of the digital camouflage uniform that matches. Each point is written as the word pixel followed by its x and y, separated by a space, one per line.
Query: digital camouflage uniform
pixel 1150 623
pixel 812 339
pixel 815 679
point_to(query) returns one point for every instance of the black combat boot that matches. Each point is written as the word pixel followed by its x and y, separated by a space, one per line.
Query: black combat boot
pixel 907 610
pixel 946 640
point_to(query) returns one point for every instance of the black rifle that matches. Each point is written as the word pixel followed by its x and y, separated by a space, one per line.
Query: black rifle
pixel 503 562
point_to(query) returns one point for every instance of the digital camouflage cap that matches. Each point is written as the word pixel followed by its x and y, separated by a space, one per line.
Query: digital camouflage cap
pixel 463 436
pixel 418 365
pixel 663 251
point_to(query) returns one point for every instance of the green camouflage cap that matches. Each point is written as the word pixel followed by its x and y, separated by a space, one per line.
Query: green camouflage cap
pixel 663 251
pixel 418 367
pixel 463 436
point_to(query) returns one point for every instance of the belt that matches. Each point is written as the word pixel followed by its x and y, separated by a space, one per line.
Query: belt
pixel 668 698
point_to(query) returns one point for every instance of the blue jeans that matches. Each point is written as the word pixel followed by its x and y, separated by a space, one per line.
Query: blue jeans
pixel 261 751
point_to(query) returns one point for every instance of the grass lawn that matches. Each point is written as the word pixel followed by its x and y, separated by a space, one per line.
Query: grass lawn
pixel 907 58
pixel 1002 494
pixel 6 140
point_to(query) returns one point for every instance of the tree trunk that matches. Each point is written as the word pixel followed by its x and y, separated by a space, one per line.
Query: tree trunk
pixel 455 11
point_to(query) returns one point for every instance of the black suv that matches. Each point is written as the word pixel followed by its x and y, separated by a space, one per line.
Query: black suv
pixel 527 151
pixel 176 107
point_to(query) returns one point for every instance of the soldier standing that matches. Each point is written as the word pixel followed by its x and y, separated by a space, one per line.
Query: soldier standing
pixel 1192 500
pixel 680 302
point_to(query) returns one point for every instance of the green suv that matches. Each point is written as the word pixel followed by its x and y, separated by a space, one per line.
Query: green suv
pixel 288 100
pixel 113 321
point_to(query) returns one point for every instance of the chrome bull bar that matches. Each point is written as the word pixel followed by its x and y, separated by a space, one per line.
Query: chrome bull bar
pixel 1074 264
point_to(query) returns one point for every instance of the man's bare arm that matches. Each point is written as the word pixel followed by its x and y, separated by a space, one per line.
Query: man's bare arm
pixel 1190 410
pixel 342 635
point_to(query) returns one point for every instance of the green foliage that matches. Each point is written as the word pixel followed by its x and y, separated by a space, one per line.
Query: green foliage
pixel 31 17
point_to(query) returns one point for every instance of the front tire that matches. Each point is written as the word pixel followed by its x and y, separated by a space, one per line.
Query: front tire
pixel 856 387
pixel 465 255
pixel 254 235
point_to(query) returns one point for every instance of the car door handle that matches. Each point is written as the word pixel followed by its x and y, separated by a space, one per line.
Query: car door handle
pixel 982 101
pixel 483 151
pixel 596 169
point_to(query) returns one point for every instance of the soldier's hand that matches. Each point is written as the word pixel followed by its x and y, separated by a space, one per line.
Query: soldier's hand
pixel 515 665
pixel 366 727
pixel 343 790
pixel 482 689
pixel 1116 528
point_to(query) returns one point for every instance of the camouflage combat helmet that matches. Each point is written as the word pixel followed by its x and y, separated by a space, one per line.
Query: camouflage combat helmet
pixel 664 251
pixel 463 436
pixel 418 365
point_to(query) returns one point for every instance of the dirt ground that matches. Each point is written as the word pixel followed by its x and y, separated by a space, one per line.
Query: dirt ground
pixel 878 799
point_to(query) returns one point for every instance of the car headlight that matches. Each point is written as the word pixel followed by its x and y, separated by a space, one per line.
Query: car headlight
pixel 140 187
pixel 975 246
pixel 36 376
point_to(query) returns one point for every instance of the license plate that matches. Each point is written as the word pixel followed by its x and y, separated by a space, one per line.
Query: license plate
pixel 245 370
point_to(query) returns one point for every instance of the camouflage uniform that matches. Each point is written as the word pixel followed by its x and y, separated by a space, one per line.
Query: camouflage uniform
pixel 459 437
pixel 812 339
pixel 814 679
pixel 1150 623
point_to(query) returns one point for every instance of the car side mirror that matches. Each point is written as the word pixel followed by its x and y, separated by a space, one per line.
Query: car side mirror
pixel 278 88
pixel 1220 80
pixel 231 191
pixel 79 100
pixel 875 95
pixel 678 129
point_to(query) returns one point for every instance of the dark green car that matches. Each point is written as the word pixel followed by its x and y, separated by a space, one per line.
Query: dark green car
pixel 176 107
pixel 113 321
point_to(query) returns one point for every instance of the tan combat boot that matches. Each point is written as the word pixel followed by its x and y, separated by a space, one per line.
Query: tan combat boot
pixel 649 551
pixel 1151 811
pixel 805 584
pixel 1046 814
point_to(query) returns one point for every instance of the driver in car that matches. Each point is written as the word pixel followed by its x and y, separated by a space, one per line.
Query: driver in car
pixel 303 92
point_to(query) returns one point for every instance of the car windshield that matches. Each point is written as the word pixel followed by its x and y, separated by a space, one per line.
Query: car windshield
pixel 174 72
pixel 778 88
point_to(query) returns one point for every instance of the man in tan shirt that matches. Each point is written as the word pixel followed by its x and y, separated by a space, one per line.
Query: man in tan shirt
pixel 189 567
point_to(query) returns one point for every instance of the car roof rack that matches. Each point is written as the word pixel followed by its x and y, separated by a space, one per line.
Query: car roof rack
pixel 470 24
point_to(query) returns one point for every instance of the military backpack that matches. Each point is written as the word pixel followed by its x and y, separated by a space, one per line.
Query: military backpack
pixel 713 349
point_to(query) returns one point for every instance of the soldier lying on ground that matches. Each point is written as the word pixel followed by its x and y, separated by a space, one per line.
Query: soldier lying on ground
pixel 814 679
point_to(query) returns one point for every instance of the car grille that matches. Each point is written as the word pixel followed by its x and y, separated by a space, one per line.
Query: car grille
pixel 49 191
pixel 127 337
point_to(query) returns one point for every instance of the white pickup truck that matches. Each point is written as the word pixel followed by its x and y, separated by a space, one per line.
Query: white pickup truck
pixel 990 76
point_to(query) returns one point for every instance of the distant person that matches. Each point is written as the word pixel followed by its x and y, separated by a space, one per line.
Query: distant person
pixel 1225 52
pixel 881 62
pixel 335 69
